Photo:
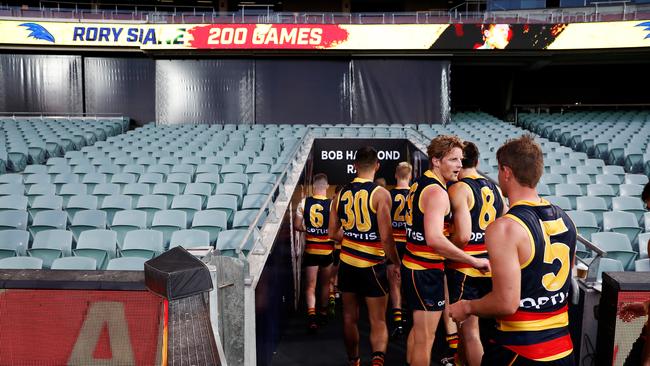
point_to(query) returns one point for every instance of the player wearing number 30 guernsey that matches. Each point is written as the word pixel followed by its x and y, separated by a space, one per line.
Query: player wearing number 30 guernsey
pixel 531 251
pixel 363 210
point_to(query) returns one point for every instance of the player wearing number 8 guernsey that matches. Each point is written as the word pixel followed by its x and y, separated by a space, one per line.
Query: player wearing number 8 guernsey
pixel 475 202
pixel 531 251
pixel 362 209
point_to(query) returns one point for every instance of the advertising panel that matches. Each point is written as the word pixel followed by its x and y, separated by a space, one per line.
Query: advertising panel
pixel 559 36
pixel 74 327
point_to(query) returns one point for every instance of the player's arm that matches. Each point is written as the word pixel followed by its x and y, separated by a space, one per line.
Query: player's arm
pixel 459 198
pixel 435 203
pixel 334 228
pixel 505 239
pixel 299 219
pixel 381 200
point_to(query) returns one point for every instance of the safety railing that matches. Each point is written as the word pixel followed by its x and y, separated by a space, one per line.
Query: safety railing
pixel 72 12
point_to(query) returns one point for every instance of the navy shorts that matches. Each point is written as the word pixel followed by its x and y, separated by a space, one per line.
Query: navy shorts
pixel 366 282
pixel 424 289
pixel 464 287
pixel 320 260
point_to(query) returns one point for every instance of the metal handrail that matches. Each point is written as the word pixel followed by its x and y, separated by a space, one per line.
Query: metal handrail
pixel 269 199
pixel 167 14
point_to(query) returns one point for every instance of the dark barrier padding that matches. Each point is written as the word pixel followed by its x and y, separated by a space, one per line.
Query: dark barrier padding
pixel 176 274
pixel 121 85
pixel 274 297
pixel 41 83
pixel 191 340
pixel 72 280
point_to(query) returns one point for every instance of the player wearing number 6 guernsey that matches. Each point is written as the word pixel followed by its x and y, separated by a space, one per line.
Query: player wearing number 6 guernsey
pixel 475 203
pixel 428 217
pixel 363 210
pixel 531 251
pixel 312 217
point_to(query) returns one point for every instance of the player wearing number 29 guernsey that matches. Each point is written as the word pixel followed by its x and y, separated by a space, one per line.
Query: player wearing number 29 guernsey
pixel 531 251
pixel 362 210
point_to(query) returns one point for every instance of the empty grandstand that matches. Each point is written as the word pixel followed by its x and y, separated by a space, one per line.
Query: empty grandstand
pixel 131 136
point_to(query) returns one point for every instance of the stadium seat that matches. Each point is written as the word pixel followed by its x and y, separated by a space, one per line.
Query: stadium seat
pixel 581 180
pixel 190 238
pixel 588 170
pixel 182 179
pixel 232 189
pixel 642 265
pixel 169 221
pixel 80 202
pixel 601 190
pixel 629 204
pixel 40 189
pixel 126 264
pixel 143 243
pixel 617 247
pixel 189 204
pixel 632 190
pixel 264 177
pixel 8 189
pixel 93 179
pixel 136 190
pixel 48 220
pixel 621 222
pixel 223 202
pixel 607 265
pixel 203 190
pixel 609 179
pixel 13 243
pixel 74 263
pixel 98 244
pixel 639 179
pixel 211 221
pixel 21 263
pixel 263 188
pixel 127 220
pixel 170 190
pixel 243 219
pixel 13 219
pixel 230 240
pixel 151 204
pixel 542 189
pixel 51 244
pixel 11 178
pixel 552 180
pixel 115 203
pixel 151 178
pixel 85 220
pixel 562 202
pixel 570 191
pixel 585 222
pixel 643 245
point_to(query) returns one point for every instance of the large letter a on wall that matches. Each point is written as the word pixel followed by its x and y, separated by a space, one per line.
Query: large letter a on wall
pixel 101 314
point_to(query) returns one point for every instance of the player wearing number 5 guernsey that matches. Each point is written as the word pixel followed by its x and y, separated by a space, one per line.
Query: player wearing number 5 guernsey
pixel 531 251
pixel 428 217
pixel 475 203
pixel 312 217
pixel 363 210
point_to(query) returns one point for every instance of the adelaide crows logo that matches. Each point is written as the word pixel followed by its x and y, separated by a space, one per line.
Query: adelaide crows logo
pixel 647 28
pixel 37 31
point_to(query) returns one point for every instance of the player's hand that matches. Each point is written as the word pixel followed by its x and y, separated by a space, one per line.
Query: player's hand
pixel 632 311
pixel 482 264
pixel 459 311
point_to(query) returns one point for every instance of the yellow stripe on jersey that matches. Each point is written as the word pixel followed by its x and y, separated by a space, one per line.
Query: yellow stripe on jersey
pixel 473 272
pixel 530 236
pixel 556 321
pixel 365 248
